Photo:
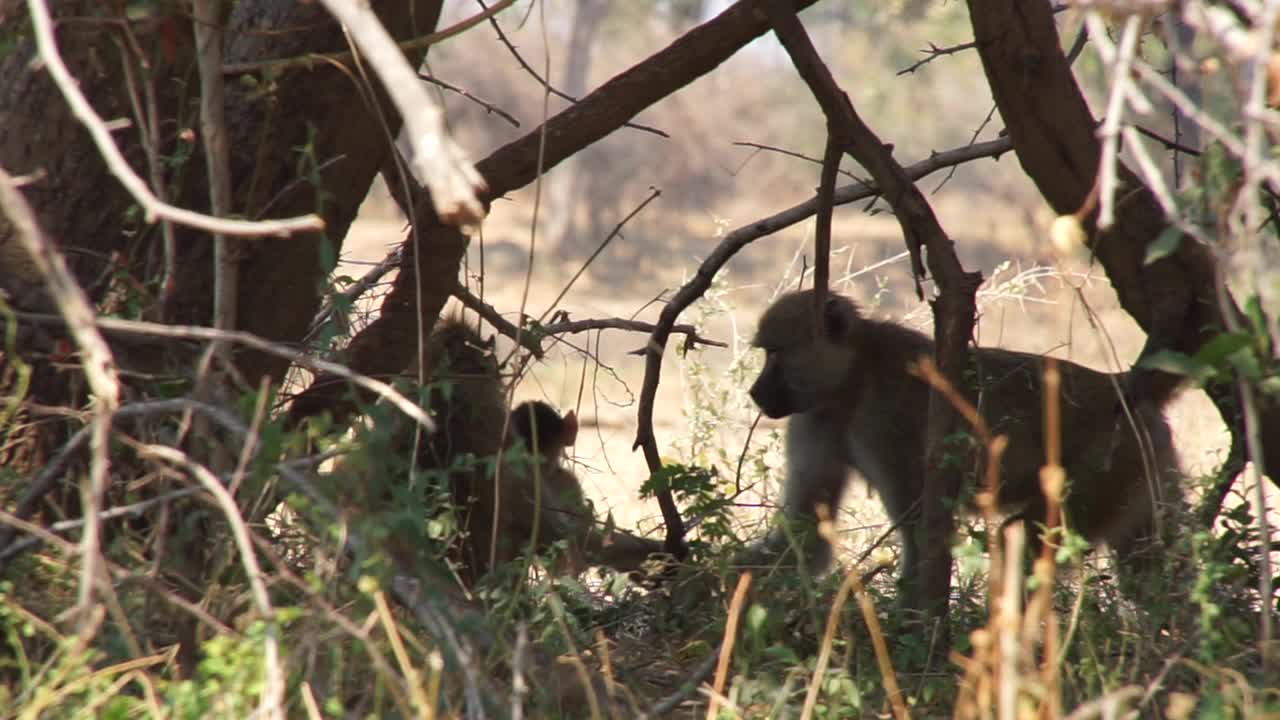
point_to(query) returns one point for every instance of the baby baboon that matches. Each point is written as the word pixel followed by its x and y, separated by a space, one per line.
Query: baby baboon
pixel 852 405
pixel 535 500
pixel 565 512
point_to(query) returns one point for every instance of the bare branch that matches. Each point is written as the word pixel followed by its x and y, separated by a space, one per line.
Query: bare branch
pixel 822 231
pixel 546 85
pixel 933 52
pixel 792 153
pixel 488 106
pixel 508 329
pixel 569 327
pixel 193 332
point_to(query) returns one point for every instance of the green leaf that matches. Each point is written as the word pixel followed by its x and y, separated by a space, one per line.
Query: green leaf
pixel 1215 352
pixel 1175 363
pixel 1165 244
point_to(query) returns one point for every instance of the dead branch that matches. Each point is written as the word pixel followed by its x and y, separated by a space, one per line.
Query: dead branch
pixel 933 52
pixel 546 85
pixel 791 153
pixel 488 106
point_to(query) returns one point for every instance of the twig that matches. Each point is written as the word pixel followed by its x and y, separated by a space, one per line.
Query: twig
pixel 654 194
pixel 933 52
pixel 547 86
pixel 42 25
pixel 438 162
pixel 726 643
pixel 272 705
pixel 192 332
pixel 569 327
pixel 1166 142
pixel 11 550
pixel 99 368
pixel 1107 706
pixel 794 154
pixel 527 340
pixel 883 661
pixel 1122 89
pixel 488 106
pixel 356 289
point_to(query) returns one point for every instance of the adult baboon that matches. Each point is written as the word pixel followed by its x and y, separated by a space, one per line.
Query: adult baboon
pixel 852 405
pixel 518 484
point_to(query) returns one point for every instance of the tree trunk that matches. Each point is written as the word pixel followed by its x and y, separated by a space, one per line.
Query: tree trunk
pixel 307 139
pixel 563 194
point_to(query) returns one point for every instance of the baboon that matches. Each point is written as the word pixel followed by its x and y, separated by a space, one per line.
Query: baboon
pixel 535 500
pixel 851 404
pixel 565 513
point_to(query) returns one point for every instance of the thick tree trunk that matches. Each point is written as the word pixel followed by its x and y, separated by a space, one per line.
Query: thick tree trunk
pixel 308 139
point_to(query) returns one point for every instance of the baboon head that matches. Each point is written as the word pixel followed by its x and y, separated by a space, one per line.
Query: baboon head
pixel 542 429
pixel 806 362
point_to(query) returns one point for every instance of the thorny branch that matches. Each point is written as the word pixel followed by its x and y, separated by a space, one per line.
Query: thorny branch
pixel 546 85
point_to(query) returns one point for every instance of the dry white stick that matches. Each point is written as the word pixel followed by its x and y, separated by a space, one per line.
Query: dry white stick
pixel 213 135
pixel 99 369
pixel 1120 61
pixel 438 161
pixel 42 24
pixel 1008 619
pixel 273 684
pixel 1249 258
pixel 1150 172
pixel 1192 111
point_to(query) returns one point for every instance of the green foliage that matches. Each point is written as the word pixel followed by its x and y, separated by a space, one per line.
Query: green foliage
pixel 229 679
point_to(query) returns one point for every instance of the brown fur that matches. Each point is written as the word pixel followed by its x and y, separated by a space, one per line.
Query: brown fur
pixel 852 405
pixel 535 499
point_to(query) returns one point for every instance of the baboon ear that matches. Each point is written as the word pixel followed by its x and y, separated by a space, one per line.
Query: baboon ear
pixel 569 435
pixel 838 317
